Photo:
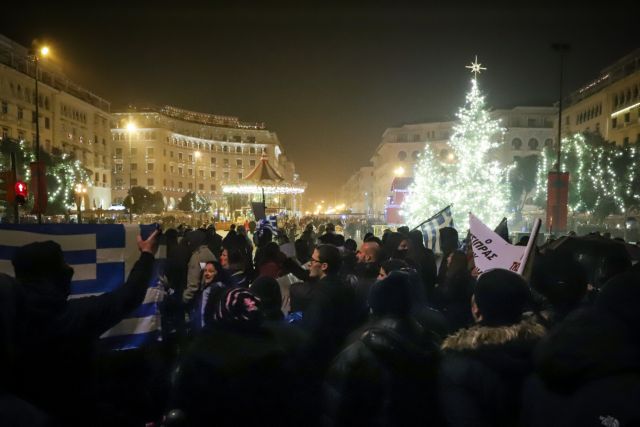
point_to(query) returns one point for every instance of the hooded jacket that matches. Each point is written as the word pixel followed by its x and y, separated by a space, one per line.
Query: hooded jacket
pixel 482 373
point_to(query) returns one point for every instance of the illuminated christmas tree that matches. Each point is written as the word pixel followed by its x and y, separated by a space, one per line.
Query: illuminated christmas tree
pixel 471 181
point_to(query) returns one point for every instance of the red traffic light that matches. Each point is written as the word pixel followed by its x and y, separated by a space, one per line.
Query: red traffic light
pixel 21 189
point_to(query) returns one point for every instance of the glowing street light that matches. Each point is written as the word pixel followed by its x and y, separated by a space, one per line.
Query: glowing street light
pixel 399 171
pixel 44 51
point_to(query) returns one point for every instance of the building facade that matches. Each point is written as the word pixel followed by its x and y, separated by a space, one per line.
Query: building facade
pixel 527 131
pixel 72 119
pixel 176 151
pixel 608 105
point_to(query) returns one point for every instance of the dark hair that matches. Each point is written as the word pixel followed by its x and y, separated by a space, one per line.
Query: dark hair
pixel 331 255
pixel 302 250
pixel 559 278
pixel 458 263
pixel 391 296
pixel 268 290
pixel 351 245
pixel 236 260
pixel 448 239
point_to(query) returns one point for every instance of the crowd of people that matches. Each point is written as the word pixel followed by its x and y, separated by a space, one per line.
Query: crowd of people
pixel 310 329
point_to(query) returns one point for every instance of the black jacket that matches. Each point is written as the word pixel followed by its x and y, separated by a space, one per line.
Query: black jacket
pixel 482 373
pixel 386 378
pixel 234 376
pixel 587 374
pixel 54 366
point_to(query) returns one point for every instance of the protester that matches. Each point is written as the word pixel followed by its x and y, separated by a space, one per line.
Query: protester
pixel 388 376
pixel 53 367
pixel 485 365
pixel 588 367
pixel 234 263
pixel 453 297
pixel 200 254
pixel 236 371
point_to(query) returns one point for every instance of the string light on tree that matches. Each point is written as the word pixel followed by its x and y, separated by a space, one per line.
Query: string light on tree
pixel 473 183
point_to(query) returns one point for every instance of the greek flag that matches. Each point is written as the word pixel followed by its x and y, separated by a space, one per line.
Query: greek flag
pixel 270 222
pixel 431 229
pixel 102 256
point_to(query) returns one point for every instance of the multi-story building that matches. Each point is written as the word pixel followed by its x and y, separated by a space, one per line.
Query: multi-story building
pixel 175 151
pixel 356 192
pixel 609 105
pixel 72 119
pixel 528 130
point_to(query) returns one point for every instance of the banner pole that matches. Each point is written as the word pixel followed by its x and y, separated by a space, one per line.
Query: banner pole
pixel 533 237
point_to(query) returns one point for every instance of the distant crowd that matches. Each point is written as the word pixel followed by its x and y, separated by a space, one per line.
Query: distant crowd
pixel 306 327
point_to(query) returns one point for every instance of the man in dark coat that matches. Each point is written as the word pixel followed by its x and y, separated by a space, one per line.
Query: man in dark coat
pixel 54 369
pixel 588 367
pixel 485 365
pixel 388 376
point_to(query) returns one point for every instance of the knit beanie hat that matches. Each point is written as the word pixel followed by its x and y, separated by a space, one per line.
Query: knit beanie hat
pixel 501 296
pixel 38 259
pixel 237 307
pixel 391 296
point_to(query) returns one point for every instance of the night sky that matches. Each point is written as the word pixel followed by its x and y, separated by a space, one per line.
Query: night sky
pixel 329 80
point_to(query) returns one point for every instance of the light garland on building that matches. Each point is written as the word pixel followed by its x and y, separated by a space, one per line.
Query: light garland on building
pixel 256 189
pixel 473 183
pixel 603 178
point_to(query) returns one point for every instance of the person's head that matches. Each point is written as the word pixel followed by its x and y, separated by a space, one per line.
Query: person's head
pixel 456 262
pixel 369 252
pixel 325 261
pixel 232 227
pixel 330 228
pixel 350 245
pixel 448 239
pixel 390 265
pixel 232 258
pixel 561 279
pixel 403 230
pixel 309 227
pixel 265 236
pixel 500 297
pixel 302 250
pixel 391 296
pixel 392 243
pixel 43 261
pixel 210 272
pixel 268 290
pixel 234 307
pixel 416 240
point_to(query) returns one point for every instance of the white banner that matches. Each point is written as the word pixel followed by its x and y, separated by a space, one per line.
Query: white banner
pixel 491 251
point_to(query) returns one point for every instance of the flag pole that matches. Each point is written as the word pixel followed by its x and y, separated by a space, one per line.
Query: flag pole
pixel 533 237
pixel 433 216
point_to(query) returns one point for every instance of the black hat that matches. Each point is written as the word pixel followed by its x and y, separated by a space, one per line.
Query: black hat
pixel 501 297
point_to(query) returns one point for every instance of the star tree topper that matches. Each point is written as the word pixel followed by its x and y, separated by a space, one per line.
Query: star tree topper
pixel 475 67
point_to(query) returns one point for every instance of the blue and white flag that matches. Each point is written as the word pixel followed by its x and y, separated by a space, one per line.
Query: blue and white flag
pixel 270 222
pixel 431 229
pixel 102 255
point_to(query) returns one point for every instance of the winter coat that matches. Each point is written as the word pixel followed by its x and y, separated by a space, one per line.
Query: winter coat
pixel 587 374
pixel 231 377
pixel 482 373
pixel 54 364
pixel 194 271
pixel 386 378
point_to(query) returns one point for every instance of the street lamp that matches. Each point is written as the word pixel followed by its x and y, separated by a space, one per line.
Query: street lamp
pixel 131 127
pixel 81 192
pixel 43 52
pixel 399 171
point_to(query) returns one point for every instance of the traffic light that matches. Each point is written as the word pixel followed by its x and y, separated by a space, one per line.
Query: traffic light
pixel 21 192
